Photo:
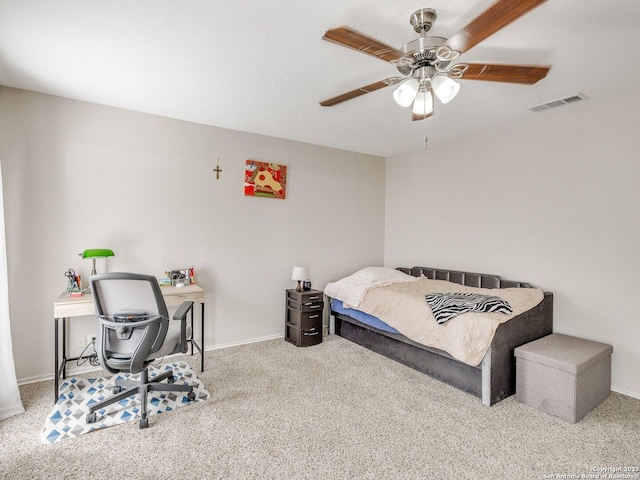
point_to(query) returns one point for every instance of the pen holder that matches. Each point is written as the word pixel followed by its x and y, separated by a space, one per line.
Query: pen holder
pixel 73 282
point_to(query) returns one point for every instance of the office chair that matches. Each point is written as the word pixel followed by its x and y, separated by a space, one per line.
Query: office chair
pixel 133 330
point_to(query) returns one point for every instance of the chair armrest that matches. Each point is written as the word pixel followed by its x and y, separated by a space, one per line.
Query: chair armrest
pixel 181 315
pixel 183 309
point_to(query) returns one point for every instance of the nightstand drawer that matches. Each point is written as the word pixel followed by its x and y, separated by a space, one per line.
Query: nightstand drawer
pixel 312 307
pixel 312 296
pixel 304 320
pixel 301 337
pixel 305 307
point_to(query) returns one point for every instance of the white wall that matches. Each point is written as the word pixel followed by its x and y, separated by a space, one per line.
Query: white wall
pixel 554 202
pixel 79 175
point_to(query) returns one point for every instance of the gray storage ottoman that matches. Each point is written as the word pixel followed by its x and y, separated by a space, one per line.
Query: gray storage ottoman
pixel 562 375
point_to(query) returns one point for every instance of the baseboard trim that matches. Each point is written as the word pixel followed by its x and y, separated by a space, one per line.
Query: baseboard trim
pixel 43 378
pixel 80 371
pixel 244 342
pixel 628 393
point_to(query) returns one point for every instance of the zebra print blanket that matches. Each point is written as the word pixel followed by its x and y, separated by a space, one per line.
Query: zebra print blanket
pixel 445 306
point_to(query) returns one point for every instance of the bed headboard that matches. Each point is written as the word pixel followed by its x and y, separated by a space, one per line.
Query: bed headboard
pixel 463 278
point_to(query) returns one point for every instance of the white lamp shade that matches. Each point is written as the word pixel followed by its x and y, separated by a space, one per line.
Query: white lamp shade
pixel 445 88
pixel 406 92
pixel 423 104
pixel 299 273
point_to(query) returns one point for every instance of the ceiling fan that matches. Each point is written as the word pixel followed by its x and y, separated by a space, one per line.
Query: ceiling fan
pixel 425 63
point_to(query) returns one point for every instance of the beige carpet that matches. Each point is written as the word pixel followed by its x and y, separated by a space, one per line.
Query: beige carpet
pixel 332 411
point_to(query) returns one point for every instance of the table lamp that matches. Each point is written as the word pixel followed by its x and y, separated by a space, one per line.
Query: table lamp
pixel 94 253
pixel 299 274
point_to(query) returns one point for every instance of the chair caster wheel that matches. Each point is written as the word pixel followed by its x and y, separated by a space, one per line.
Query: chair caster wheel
pixel 191 396
pixel 144 422
pixel 91 417
pixel 171 379
pixel 117 389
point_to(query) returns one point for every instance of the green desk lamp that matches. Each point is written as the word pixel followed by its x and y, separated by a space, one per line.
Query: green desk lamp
pixel 94 253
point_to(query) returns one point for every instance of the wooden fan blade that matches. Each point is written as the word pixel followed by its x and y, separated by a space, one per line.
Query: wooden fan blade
pixel 523 74
pixel 356 93
pixel 496 17
pixel 348 37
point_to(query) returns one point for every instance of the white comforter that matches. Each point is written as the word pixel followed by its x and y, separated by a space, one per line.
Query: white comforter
pixel 352 289
pixel 400 303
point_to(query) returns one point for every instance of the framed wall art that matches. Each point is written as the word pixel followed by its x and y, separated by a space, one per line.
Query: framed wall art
pixel 263 179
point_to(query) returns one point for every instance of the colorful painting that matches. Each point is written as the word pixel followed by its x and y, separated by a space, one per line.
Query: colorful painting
pixel 263 179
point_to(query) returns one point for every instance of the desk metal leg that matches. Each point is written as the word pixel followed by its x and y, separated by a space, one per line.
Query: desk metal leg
pixel 202 338
pixel 192 340
pixel 64 348
pixel 56 369
pixel 192 330
pixel 60 367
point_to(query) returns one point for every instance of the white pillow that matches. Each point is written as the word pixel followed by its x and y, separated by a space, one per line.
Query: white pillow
pixel 352 289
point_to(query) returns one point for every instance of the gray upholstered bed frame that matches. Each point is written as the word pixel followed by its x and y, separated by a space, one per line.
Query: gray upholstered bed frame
pixel 494 379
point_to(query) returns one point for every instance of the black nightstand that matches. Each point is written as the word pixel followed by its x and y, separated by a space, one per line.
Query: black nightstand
pixel 303 317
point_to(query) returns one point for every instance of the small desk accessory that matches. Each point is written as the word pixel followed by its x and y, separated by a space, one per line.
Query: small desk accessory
pixel 94 253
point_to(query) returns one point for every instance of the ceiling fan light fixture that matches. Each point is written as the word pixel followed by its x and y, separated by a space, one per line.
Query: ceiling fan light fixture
pixel 406 93
pixel 423 104
pixel 445 88
pixel 425 63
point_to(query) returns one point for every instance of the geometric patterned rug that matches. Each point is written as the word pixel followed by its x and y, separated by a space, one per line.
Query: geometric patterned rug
pixel 68 418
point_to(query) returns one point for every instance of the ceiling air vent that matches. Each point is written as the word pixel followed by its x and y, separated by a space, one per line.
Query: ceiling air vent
pixel 558 103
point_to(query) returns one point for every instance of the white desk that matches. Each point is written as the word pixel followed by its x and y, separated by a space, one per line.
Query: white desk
pixel 66 307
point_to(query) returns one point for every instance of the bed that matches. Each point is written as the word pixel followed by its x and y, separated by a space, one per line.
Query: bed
pixel 493 378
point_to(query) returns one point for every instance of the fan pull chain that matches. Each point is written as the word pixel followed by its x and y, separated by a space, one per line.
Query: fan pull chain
pixel 426 139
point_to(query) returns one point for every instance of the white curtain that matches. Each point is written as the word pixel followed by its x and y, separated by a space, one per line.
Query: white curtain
pixel 10 402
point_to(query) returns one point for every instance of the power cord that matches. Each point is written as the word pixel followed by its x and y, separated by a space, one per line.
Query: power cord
pixel 93 358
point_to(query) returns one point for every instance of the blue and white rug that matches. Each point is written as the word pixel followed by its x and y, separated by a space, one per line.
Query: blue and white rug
pixel 68 418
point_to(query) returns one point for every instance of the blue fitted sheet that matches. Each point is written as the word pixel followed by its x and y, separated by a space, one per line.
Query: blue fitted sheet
pixel 337 306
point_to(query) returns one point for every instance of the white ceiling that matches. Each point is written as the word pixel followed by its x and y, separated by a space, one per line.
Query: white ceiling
pixel 262 66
